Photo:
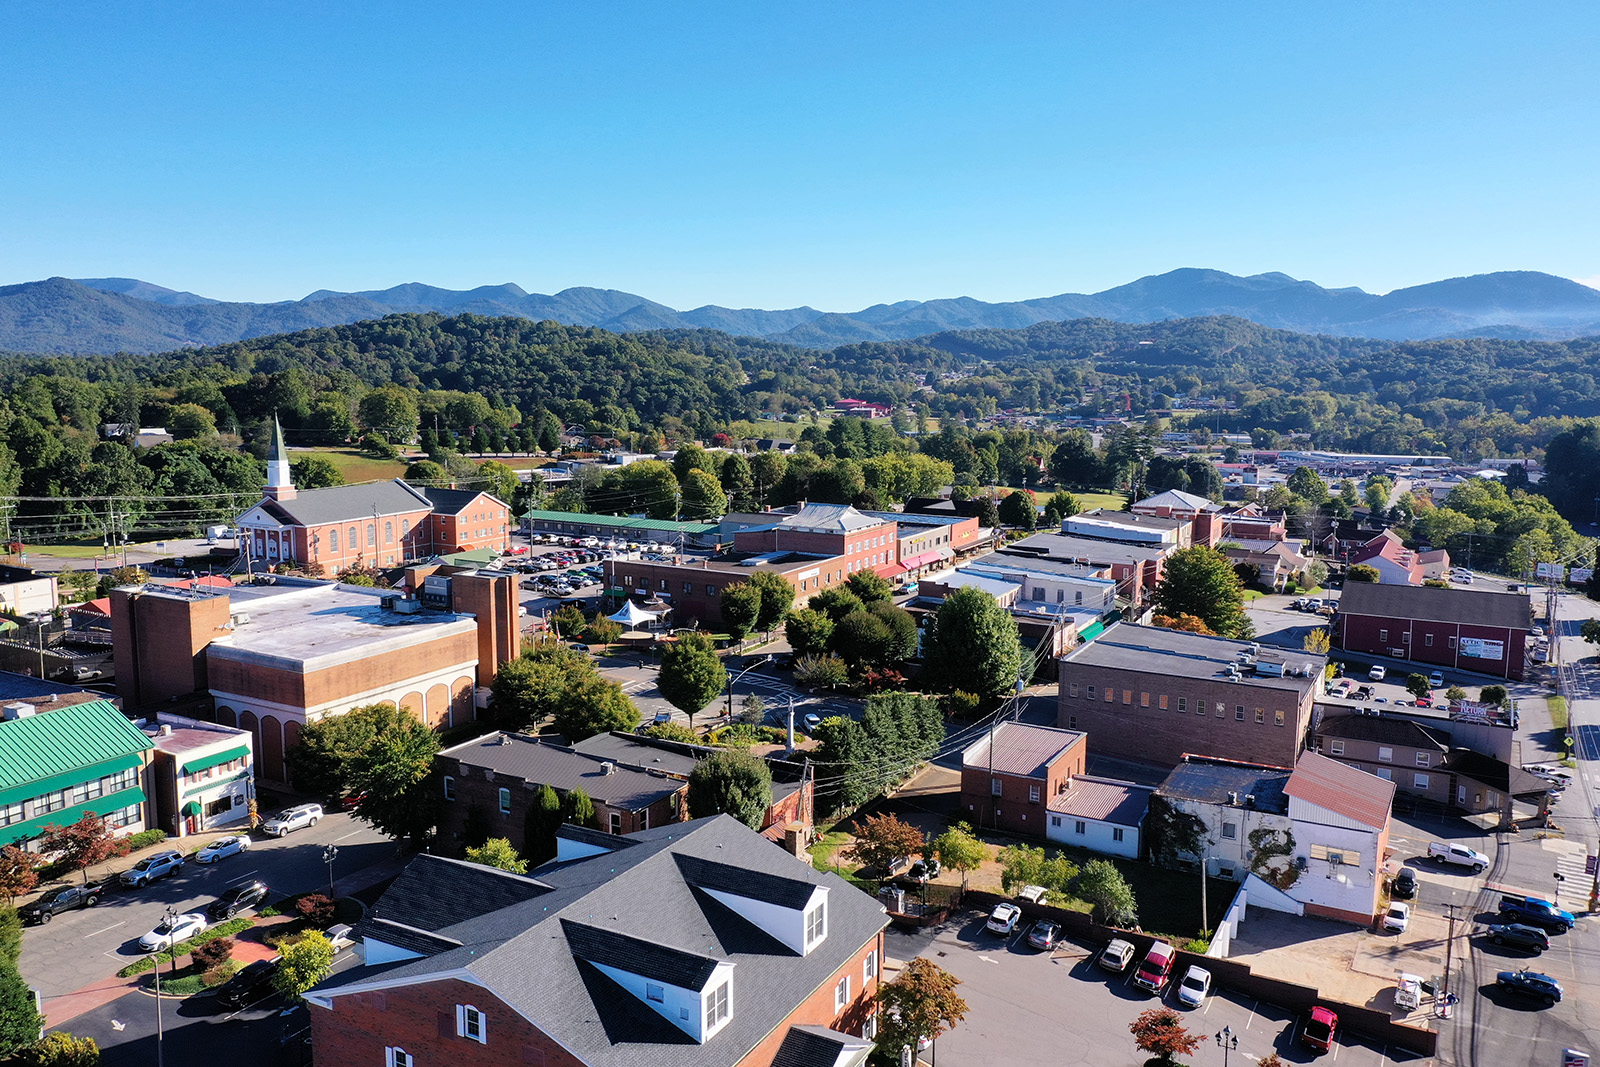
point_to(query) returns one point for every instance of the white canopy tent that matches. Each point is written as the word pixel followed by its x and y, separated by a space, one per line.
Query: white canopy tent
pixel 632 616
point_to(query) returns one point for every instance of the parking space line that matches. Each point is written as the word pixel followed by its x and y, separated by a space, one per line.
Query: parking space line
pixel 243 876
pixel 348 836
pixel 113 926
pixel 1254 1004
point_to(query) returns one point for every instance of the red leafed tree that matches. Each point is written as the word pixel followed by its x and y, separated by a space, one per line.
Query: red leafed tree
pixel 1160 1032
pixel 19 871
pixel 83 844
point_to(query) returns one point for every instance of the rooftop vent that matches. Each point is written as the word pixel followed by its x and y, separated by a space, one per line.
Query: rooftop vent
pixel 1233 798
pixel 17 710
pixel 608 767
pixel 166 729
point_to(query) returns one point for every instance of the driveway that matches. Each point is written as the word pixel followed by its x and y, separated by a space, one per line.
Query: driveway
pixel 81 947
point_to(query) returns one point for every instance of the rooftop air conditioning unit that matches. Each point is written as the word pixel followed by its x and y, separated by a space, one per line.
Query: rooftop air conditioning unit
pixel 238 618
pixel 608 767
pixel 16 710
pixel 406 606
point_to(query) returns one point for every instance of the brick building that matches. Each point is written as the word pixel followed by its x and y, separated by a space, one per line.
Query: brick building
pixel 1461 629
pixel 1151 694
pixel 681 946
pixel 378 524
pixel 1010 775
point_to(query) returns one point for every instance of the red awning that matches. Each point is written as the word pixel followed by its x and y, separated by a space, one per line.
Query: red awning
pixel 889 570
pixel 921 559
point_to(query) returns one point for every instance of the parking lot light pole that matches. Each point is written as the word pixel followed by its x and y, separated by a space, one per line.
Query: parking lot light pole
pixel 329 854
pixel 1227 1041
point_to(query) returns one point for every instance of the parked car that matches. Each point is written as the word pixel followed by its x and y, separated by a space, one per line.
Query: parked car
pixel 1436 679
pixel 236 899
pixel 1460 855
pixel 812 721
pixel 1519 935
pixel 222 848
pixel 1404 885
pixel 1155 970
pixel 62 898
pixel 1319 1028
pixel 923 870
pixel 291 819
pixel 1530 984
pixel 1377 672
pixel 1397 917
pixel 171 931
pixel 1533 911
pixel 1003 919
pixel 1194 987
pixel 253 982
pixel 1044 935
pixel 1116 956
pixel 152 869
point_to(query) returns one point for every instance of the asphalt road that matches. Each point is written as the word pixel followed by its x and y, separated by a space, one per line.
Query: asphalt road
pixel 1059 1008
pixel 80 947
pixel 639 680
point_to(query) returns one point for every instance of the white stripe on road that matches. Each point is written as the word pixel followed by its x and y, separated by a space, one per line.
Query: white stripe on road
pixel 1254 1004
pixel 348 836
pixel 97 933
pixel 243 876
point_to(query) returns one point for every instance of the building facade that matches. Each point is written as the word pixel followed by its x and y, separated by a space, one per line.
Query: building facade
pixel 202 775
pixel 57 766
pixel 1458 629
pixel 1010 776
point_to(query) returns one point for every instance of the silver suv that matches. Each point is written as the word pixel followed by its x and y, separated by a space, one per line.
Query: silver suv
pixel 152 868
pixel 291 819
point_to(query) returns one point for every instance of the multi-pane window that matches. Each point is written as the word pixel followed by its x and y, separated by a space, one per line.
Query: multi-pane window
pixel 869 969
pixel 841 993
pixel 1033 794
pixel 396 1057
pixel 1261 715
pixel 869 1029
pixel 996 787
pixel 1089 692
pixel 51 801
pixel 1422 759
pixel 1278 717
pixel 817 923
pixel 471 1024
pixel 717 1006
pixel 505 802
pixel 1336 746
pixel 126 817
pixel 1078 827
pixel 1238 712
pixel 10 813
pixel 1116 833
pixel 449 787
pixel 1183 704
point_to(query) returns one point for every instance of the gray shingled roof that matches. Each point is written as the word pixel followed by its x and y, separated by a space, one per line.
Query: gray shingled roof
pixel 1471 607
pixel 564 769
pixel 451 501
pixel 817 1046
pixel 1385 729
pixel 791 893
pixel 687 970
pixel 348 503
pixel 522 953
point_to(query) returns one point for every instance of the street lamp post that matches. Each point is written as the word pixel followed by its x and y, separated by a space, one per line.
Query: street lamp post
pixel 329 854
pixel 170 918
pixel 1227 1041
pixel 735 677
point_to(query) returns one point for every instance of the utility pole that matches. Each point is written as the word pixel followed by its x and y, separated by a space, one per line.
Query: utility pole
pixel 1444 1002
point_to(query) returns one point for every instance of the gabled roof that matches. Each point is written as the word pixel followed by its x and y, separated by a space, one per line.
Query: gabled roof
pixel 347 503
pixel 454 501
pixel 542 949
pixel 1494 773
pixel 1021 748
pixel 791 893
pixel 1339 787
pixel 1475 607
pixel 1178 500
pixel 1383 729
pixel 1103 799
pixel 543 763
pixel 65 740
pixel 830 518
pixel 817 1046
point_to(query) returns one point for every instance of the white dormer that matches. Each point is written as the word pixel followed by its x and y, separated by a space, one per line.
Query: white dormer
pixel 799 928
pixel 700 1013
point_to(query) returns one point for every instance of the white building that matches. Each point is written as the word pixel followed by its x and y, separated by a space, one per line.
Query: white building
pixel 203 774
pixel 1339 816
pixel 1101 814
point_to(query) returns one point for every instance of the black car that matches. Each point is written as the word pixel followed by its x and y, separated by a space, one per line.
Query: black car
pixel 251 982
pixel 242 896
pixel 923 870
pixel 1522 936
pixel 1404 886
pixel 62 898
pixel 1530 984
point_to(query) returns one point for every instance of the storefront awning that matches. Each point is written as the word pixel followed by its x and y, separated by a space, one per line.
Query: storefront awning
pixel 21 831
pixel 192 808
pixel 921 559
pixel 216 759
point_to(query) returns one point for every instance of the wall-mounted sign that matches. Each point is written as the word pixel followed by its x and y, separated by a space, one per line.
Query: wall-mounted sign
pixel 1478 648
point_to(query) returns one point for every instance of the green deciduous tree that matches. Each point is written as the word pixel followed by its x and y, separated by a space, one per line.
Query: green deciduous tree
pixel 836 603
pixel 497 852
pixel 975 645
pixel 185 422
pixel 579 808
pixel 1417 686
pixel 314 472
pixel 1493 694
pixel 903 635
pixel 1201 581
pixel 1363 572
pixel 539 829
pixel 862 639
pixel 1102 885
pixel 593 705
pixel 777 597
pixel 703 498
pixel 958 849
pixel 919 1005
pixel 1019 510
pixel 733 783
pixel 61 1049
pixel 20 1021
pixel 741 607
pixel 691 674
pixel 390 411
pixel 869 587
pixel 808 631
pixel 394 772
pixel 302 964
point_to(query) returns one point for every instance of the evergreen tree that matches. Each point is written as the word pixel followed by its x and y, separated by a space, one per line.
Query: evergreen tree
pixel 20 1021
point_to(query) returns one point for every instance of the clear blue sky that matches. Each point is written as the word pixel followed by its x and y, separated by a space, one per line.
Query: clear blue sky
pixel 770 155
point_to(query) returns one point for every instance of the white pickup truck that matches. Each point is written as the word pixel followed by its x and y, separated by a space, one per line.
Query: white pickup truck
pixel 1461 855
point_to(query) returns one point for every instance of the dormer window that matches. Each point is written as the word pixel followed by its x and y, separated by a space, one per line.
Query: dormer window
pixel 817 923
pixel 717 1009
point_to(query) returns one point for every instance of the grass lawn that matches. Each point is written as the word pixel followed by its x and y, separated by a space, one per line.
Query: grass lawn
pixel 1252 594
pixel 1090 500
pixel 78 550
pixel 357 467
pixel 823 849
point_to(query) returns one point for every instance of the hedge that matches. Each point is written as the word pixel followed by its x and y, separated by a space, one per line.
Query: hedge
pixel 182 948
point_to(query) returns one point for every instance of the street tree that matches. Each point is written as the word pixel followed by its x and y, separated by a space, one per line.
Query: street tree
pixel 919 1005
pixel 862 639
pixel 691 673
pixel 82 844
pixel 836 603
pixel 958 849
pixel 530 688
pixel 904 637
pixel 497 852
pixel 1160 1032
pixel 741 607
pixel 302 964
pixel 975 644
pixel 882 839
pixel 1417 685
pixel 394 772
pixel 1102 885
pixel 869 586
pixel 1201 581
pixel 1493 694
pixel 777 597
pixel 19 871
pixel 733 783
pixel 1590 631
pixel 808 631
pixel 1018 510
pixel 593 705
pixel 703 498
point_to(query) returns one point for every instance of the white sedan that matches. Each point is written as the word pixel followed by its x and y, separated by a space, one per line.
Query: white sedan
pixel 172 931
pixel 222 848
pixel 1196 984
pixel 1398 916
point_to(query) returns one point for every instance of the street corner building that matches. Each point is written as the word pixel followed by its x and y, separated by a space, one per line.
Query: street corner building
pixel 690 944
pixel 1460 629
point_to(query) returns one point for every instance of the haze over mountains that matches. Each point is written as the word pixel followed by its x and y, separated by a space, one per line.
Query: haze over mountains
pixel 107 315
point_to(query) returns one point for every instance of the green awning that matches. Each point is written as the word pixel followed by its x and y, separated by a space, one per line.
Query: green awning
pixel 206 787
pixel 1092 631
pixel 67 779
pixel 22 831
pixel 201 763
pixel 192 808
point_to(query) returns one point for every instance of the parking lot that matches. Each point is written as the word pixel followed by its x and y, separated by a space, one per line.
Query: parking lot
pixel 1061 1008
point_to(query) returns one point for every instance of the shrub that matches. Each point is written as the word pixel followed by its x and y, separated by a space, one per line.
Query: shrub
pixel 671 731
pixel 821 672
pixel 961 704
pixel 213 954
pixel 316 908
pixel 62 1049
pixel 146 838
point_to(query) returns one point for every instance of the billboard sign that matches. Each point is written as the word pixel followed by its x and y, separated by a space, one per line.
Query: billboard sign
pixel 1579 575
pixel 1478 648
pixel 1549 570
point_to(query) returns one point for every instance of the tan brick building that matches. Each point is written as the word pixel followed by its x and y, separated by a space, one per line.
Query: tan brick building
pixel 685 945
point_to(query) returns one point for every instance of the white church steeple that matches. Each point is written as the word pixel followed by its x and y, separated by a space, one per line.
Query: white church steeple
pixel 279 484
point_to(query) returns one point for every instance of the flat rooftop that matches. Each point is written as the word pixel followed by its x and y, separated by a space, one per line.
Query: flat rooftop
pixel 1224 782
pixel 1088 549
pixel 318 625
pixel 189 734
pixel 1031 564
pixel 1179 654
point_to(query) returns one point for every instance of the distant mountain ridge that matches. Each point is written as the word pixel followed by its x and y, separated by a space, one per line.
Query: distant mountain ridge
pixel 105 315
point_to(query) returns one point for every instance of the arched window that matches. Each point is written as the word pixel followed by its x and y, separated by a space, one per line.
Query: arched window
pixel 388 533
pixel 405 528
pixel 333 540
pixel 354 543
pixel 372 535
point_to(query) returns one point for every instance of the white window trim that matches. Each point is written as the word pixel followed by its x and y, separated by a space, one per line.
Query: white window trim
pixel 449 787
pixel 841 994
pixel 869 967
pixel 462 1029
pixel 393 1056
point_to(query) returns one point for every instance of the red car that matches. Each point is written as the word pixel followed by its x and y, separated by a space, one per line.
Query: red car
pixel 1156 969
pixel 1319 1029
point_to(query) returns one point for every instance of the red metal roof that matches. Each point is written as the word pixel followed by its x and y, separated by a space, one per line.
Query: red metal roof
pixel 1339 787
pixel 1022 749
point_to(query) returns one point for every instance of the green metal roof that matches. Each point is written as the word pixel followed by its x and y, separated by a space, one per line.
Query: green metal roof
pixel 52 744
pixel 619 521
pixel 22 831
pixel 200 763
pixel 472 555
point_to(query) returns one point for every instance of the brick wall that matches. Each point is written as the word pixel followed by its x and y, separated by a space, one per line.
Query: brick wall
pixel 159 644
pixel 335 683
pixel 1015 810
pixel 1134 725
pixel 818 1009
pixel 421 1019
pixel 1436 643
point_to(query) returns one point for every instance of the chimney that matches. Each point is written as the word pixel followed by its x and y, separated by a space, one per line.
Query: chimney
pixel 794 839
